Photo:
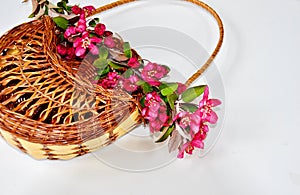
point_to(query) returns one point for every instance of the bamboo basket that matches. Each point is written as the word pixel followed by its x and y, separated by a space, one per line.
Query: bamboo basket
pixel 48 109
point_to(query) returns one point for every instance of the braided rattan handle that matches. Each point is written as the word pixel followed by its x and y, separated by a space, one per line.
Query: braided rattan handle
pixel 198 3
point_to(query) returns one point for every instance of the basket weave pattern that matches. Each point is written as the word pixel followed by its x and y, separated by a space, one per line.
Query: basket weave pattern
pixel 48 107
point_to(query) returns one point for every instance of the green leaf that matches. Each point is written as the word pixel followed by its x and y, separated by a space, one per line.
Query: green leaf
pixel 128 73
pixel 172 99
pixel 61 22
pixel 192 93
pixel 189 107
pixel 46 10
pixel 92 35
pixel 140 83
pixel 103 72
pixel 101 63
pixel 169 89
pixel 59 10
pixel 60 4
pixel 63 4
pixel 92 23
pixel 146 88
pixel 165 99
pixel 143 101
pixel 162 86
pixel 97 78
pixel 103 52
pixel 166 133
pixel 69 8
pixel 127 50
pixel 36 10
pixel 114 65
pixel 31 15
pixel 61 37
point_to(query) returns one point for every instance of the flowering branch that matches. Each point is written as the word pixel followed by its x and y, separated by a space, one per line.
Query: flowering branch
pixel 167 107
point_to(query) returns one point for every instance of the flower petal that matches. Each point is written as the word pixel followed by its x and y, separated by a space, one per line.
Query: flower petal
pixel 197 144
pixel 96 40
pixel 214 102
pixel 77 42
pixel 205 97
pixel 93 49
pixel 182 149
pixel 195 127
pixel 212 117
pixel 163 117
pixel 80 51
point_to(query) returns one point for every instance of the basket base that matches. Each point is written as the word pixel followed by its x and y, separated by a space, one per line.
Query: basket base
pixel 66 152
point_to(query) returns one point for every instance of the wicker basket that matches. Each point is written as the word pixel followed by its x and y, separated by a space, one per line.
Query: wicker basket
pixel 48 108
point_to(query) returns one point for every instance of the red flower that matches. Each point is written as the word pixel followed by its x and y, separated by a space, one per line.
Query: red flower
pixel 76 9
pixel 89 9
pixel 110 81
pixel 67 52
pixel 62 50
pixel 153 72
pixel 70 53
pixel 133 63
pixel 108 33
pixel 100 29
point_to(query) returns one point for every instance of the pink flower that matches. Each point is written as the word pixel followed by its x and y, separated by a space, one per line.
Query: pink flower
pixel 157 118
pixel 189 120
pixel 151 98
pixel 109 42
pixel 205 108
pixel 70 31
pixel 133 63
pixel 189 146
pixel 110 81
pixel 151 113
pixel 181 88
pixel 155 112
pixel 89 9
pixel 84 43
pixel 76 9
pixel 100 29
pixel 130 83
pixel 153 72
pixel 81 25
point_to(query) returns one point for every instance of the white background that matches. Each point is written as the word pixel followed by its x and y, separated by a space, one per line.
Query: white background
pixel 258 150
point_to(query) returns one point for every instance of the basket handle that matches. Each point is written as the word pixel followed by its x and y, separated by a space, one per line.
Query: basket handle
pixel 201 4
